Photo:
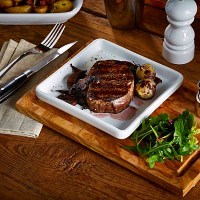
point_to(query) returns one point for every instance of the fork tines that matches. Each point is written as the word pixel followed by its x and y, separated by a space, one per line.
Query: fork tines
pixel 54 35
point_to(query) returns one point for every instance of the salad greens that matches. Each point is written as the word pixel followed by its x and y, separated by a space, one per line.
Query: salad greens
pixel 160 138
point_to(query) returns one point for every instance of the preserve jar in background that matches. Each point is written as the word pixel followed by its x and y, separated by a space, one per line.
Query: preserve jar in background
pixel 124 14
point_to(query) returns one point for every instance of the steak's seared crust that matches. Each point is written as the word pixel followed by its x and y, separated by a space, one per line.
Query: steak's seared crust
pixel 112 90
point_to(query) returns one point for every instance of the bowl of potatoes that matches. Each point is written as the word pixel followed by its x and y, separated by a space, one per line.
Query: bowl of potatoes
pixel 36 12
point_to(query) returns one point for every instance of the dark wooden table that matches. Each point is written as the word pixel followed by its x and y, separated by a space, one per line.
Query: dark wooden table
pixel 55 167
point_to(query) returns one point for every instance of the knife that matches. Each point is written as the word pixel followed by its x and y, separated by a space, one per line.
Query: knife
pixel 11 86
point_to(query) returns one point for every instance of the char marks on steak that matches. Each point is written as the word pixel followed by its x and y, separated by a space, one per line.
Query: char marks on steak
pixel 112 89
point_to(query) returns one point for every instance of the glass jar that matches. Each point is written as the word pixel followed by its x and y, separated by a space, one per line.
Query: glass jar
pixel 124 14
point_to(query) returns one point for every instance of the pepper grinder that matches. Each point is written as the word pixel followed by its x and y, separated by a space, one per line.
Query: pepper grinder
pixel 178 44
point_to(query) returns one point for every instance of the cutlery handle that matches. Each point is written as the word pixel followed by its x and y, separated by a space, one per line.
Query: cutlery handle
pixel 10 65
pixel 13 85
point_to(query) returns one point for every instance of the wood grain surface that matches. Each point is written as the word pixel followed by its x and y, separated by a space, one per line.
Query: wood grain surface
pixel 54 166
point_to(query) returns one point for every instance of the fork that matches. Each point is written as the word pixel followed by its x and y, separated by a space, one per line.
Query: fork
pixel 47 44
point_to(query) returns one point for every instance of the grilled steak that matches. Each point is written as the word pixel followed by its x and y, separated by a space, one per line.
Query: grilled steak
pixel 112 89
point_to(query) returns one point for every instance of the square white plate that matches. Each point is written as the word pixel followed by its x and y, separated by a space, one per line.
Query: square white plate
pixel 120 125
pixel 39 19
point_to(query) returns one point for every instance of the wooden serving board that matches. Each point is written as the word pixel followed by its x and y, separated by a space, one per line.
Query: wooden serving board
pixel 173 175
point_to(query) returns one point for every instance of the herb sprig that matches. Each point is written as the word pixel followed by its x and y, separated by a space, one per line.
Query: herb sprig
pixel 160 138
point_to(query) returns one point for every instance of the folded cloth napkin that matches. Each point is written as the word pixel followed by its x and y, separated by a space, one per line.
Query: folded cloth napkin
pixel 11 121
pixel 6 52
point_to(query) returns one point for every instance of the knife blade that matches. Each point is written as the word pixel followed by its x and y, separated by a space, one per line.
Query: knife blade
pixel 14 84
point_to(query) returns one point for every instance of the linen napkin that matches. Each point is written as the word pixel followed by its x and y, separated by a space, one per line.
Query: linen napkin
pixel 6 52
pixel 11 121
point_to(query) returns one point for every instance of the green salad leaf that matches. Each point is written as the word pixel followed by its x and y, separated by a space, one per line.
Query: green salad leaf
pixel 159 138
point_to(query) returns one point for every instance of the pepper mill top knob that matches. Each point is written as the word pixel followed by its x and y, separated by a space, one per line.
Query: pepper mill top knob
pixel 181 10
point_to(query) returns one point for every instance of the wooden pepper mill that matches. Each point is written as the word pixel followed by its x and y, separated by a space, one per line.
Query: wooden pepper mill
pixel 178 45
